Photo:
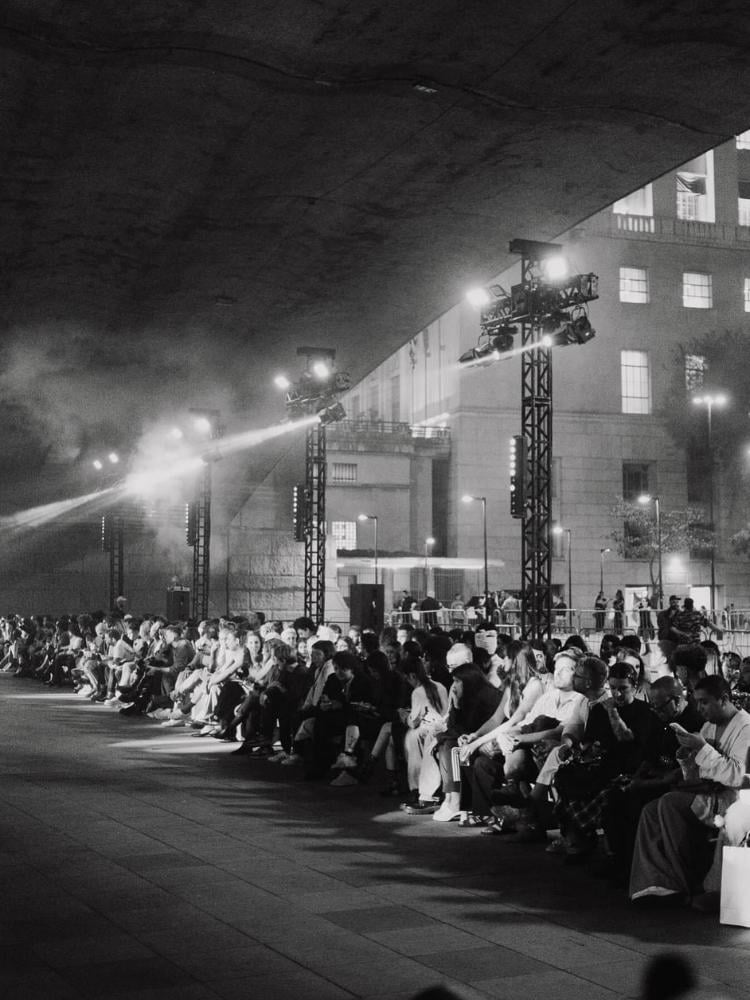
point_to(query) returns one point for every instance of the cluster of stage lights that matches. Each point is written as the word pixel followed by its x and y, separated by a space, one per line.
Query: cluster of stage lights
pixel 554 299
pixel 315 392
pixel 112 459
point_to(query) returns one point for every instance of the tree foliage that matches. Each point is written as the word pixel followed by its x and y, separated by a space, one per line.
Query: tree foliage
pixel 681 531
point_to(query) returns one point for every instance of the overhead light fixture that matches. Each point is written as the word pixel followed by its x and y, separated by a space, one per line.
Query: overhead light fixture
pixel 282 382
pixel 330 414
pixel 555 268
pixel 478 297
pixel 321 370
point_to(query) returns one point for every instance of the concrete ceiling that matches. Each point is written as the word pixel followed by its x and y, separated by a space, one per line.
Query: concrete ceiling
pixel 191 189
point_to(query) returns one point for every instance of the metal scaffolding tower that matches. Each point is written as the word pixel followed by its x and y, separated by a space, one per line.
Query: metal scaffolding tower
pixel 536 429
pixel 315 523
pixel 202 545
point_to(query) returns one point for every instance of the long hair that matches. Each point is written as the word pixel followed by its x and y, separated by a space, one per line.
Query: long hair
pixel 415 665
pixel 522 669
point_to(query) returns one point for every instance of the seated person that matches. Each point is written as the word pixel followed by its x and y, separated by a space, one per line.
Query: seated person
pixel 689 665
pixel 658 773
pixel 321 654
pixel 424 719
pixel 670 858
pixel 346 694
pixel 521 743
pixel 618 730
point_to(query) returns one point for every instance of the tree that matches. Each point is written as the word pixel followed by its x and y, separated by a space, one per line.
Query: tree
pixel 681 531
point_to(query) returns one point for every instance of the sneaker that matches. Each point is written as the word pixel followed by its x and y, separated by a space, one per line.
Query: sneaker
pixel 421 808
pixel 114 701
pixel 173 722
pixel 277 758
pixel 85 691
pixel 343 780
pixel 160 714
pixel 345 761
pixel 292 758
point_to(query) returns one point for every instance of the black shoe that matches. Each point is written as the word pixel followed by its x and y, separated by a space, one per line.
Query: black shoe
pixel 420 808
pixel 242 749
pixel 133 709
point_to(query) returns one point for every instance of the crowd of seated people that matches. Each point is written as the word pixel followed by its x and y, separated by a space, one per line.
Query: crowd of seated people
pixel 629 752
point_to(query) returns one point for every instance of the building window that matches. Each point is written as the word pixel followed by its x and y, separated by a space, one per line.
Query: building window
pixel 640 202
pixel 743 140
pixel 344 472
pixel 344 534
pixel 635 381
pixel 695 189
pixel 743 203
pixel 635 480
pixel 696 367
pixel 634 284
pixel 697 290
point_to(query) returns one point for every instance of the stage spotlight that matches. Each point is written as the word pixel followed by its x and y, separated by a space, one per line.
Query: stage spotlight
pixel 478 297
pixel 113 457
pixel 202 424
pixel 330 414
pixel 555 268
pixel 98 465
pixel 321 370
pixel 282 382
pixel 176 434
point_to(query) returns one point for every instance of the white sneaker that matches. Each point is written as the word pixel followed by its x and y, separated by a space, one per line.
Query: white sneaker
pixel 277 758
pixel 343 780
pixel 85 691
pixel 292 758
pixel 173 722
pixel 160 713
pixel 445 814
pixel 345 761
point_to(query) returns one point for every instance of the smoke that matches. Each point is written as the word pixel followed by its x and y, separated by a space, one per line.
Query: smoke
pixel 67 392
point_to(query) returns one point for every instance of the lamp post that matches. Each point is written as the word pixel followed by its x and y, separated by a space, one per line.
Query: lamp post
pixel 428 543
pixel 559 530
pixel 601 569
pixel 645 498
pixel 468 498
pixel 709 400
pixel 372 517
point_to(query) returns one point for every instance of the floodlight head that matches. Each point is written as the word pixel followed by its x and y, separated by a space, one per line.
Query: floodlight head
pixel 97 463
pixel 113 458
pixel 330 414
pixel 555 267
pixel 202 424
pixel 321 370
pixel 478 297
pixel 282 382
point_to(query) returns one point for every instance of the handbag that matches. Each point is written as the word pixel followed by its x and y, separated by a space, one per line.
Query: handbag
pixel 582 776
pixel 735 877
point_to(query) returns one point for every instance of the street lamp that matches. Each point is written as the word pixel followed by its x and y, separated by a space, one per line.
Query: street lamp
pixel 646 498
pixel 710 400
pixel 372 517
pixel 468 498
pixel 428 543
pixel 601 569
pixel 559 530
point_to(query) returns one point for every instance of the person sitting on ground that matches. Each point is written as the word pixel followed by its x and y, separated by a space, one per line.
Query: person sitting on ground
pixel 670 858
pixel 614 744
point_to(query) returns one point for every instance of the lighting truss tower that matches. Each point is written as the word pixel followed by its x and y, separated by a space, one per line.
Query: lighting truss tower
pixel 315 394
pixel 202 533
pixel 113 542
pixel 315 523
pixel 536 430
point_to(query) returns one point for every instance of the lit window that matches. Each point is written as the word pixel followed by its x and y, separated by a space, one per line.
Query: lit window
pixel 743 140
pixel 640 202
pixel 696 367
pixel 697 290
pixel 635 381
pixel 344 472
pixel 743 203
pixel 634 284
pixel 344 534
pixel 695 189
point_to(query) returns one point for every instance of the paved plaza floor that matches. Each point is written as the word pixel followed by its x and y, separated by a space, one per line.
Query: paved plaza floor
pixel 141 863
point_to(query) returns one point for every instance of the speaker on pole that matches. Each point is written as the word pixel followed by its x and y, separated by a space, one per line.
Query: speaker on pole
pixel 366 605
pixel 178 604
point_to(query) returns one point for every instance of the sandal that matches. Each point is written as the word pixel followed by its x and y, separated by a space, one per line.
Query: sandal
pixel 471 819
pixel 497 827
